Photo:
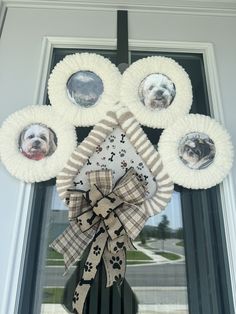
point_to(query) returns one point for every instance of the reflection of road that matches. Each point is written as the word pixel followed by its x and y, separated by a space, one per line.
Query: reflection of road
pixel 170 245
pixel 166 275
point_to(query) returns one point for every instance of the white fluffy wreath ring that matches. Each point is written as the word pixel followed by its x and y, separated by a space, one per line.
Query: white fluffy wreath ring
pixel 157 90
pixel 196 151
pixel 83 87
pixel 35 143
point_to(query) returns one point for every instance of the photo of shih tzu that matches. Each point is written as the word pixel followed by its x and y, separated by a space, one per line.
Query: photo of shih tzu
pixel 84 88
pixel 37 141
pixel 197 151
pixel 157 91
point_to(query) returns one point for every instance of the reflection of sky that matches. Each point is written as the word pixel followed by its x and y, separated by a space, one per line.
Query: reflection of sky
pixel 172 211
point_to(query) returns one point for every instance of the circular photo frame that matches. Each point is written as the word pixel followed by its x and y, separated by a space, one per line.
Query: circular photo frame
pixel 83 87
pixel 35 143
pixel 196 151
pixel 157 91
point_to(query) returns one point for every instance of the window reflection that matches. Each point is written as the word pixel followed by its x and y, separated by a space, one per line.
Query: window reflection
pixel 156 271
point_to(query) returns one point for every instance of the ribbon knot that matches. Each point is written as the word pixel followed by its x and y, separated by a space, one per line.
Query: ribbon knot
pixel 109 218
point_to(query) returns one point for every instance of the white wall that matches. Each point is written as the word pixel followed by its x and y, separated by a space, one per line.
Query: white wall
pixel 20 48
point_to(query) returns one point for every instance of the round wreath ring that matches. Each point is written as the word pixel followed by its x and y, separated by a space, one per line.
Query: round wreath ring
pixel 138 72
pixel 198 130
pixel 102 69
pixel 17 162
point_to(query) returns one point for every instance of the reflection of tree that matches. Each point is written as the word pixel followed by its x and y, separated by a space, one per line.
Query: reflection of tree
pixel 179 234
pixel 163 230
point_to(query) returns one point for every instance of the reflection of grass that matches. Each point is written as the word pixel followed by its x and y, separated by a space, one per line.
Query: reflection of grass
pixel 170 256
pixel 54 255
pixel 139 262
pixel 133 255
pixel 52 295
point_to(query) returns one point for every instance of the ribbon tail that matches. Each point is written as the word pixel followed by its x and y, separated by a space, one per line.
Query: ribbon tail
pixel 115 265
pixel 90 269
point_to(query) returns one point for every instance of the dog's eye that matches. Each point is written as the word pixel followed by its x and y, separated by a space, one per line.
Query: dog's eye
pixel 151 87
pixel 31 136
pixel 164 86
pixel 43 137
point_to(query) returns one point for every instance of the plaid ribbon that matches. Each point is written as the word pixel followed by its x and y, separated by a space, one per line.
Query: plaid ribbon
pixel 109 218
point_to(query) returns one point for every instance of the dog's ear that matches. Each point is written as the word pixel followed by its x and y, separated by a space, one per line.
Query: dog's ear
pixel 21 139
pixel 173 90
pixel 140 91
pixel 52 142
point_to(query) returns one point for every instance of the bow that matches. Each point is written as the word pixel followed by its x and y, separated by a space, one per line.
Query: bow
pixel 109 218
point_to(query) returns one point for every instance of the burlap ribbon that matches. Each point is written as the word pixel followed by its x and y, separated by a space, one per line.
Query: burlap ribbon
pixel 109 218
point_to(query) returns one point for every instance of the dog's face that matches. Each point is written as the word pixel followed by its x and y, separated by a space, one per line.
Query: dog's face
pixel 157 91
pixel 197 153
pixel 37 141
pixel 84 88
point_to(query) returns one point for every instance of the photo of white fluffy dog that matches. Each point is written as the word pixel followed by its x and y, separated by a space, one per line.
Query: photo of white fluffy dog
pixel 37 141
pixel 157 91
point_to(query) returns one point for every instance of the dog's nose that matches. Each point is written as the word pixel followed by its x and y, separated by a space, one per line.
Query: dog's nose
pixel 159 93
pixel 36 143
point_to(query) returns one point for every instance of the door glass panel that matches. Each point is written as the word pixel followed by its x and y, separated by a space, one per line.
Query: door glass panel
pixel 155 271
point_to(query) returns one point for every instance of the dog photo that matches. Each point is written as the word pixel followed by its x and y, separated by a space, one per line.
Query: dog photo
pixel 197 150
pixel 157 91
pixel 84 88
pixel 37 141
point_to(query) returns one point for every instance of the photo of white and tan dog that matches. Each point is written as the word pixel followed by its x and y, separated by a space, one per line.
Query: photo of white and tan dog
pixel 197 151
pixel 157 91
pixel 37 141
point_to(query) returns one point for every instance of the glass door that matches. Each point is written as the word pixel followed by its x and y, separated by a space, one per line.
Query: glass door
pixel 180 265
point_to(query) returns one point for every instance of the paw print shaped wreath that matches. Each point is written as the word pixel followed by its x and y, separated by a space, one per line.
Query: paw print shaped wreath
pixel 115 179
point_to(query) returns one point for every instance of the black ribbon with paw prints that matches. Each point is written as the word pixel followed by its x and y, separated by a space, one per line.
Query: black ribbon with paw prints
pixel 110 218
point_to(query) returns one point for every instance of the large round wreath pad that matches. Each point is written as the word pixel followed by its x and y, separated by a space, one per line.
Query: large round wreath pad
pixel 28 128
pixel 172 73
pixel 94 67
pixel 196 151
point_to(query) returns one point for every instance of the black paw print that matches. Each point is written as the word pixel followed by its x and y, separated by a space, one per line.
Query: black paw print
pixel 76 297
pixel 88 266
pixel 79 221
pixel 111 138
pixel 98 149
pixel 139 177
pixel 116 262
pixel 122 153
pixel 123 164
pixel 96 250
pixel 140 166
pixel 118 278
